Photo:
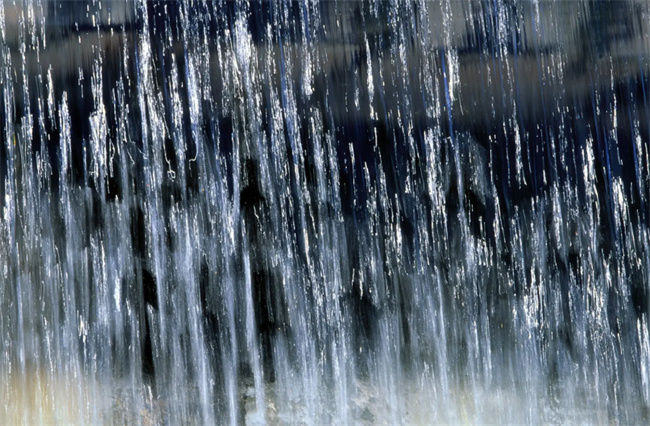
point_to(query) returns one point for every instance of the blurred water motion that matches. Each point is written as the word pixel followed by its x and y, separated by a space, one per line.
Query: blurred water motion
pixel 324 212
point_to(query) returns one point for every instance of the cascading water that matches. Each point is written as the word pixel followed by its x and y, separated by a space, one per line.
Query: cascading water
pixel 318 212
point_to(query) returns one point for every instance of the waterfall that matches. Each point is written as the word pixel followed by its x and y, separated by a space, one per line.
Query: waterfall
pixel 324 212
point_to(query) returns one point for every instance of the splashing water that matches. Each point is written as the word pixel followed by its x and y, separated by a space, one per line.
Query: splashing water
pixel 318 212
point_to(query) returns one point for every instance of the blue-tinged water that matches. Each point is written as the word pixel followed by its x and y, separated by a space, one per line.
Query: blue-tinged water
pixel 324 212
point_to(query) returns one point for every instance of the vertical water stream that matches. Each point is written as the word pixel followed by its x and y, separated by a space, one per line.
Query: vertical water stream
pixel 375 212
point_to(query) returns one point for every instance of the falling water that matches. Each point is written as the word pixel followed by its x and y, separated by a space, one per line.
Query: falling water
pixel 227 212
